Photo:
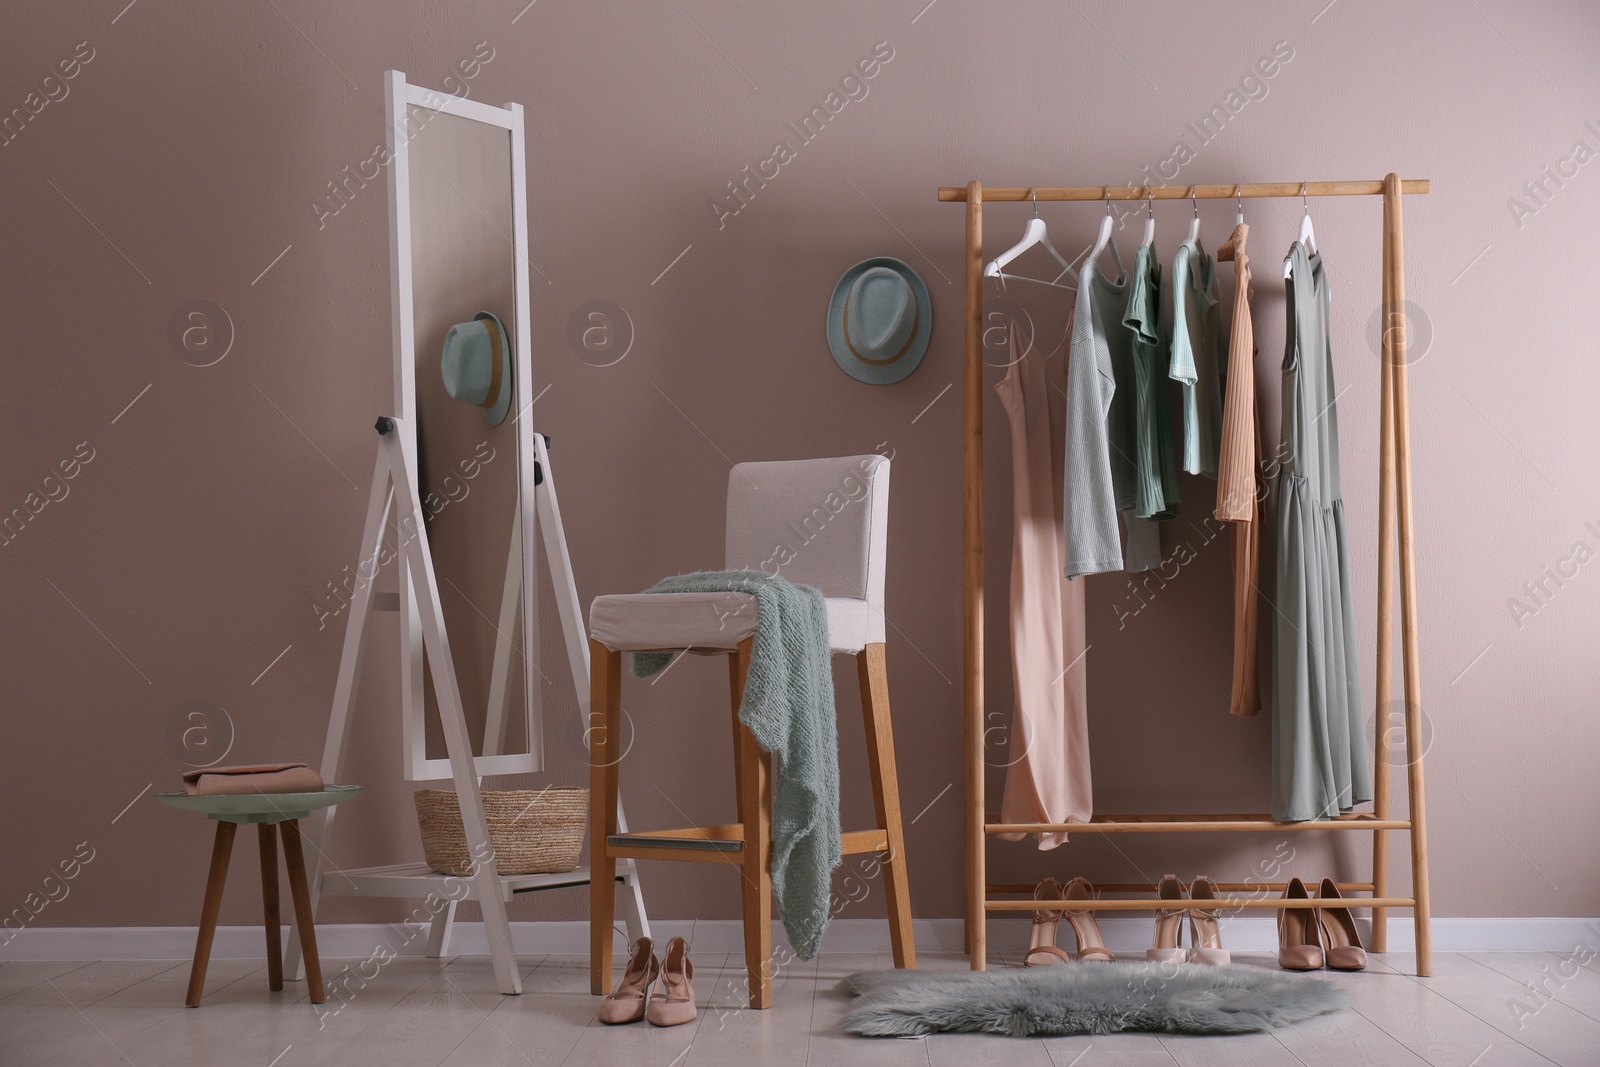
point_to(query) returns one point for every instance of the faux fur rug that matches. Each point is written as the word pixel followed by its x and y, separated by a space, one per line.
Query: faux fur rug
pixel 1094 998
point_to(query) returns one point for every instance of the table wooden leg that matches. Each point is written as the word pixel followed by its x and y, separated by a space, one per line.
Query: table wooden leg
pixel 220 851
pixel 269 904
pixel 300 893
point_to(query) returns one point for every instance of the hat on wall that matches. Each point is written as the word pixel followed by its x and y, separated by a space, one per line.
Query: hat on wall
pixel 476 365
pixel 879 321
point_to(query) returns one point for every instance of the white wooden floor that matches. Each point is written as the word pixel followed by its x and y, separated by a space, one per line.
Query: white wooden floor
pixel 421 1013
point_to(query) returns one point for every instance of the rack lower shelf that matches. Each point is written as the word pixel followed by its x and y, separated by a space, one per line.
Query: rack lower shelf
pixel 1220 904
pixel 1185 823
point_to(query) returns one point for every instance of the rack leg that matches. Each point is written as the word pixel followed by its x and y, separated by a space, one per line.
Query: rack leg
pixel 972 585
pixel 1382 717
pixel 1395 328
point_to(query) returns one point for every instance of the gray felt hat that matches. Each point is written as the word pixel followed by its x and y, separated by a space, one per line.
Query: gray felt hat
pixel 476 364
pixel 879 321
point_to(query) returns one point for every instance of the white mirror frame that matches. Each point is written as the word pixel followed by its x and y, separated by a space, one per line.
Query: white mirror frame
pixel 399 97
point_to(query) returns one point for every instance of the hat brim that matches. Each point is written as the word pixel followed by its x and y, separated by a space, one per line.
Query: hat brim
pixel 879 373
pixel 508 382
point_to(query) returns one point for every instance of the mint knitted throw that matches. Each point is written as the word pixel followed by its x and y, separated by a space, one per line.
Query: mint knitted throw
pixel 788 706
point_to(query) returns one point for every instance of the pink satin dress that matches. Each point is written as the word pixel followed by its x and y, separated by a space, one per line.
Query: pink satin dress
pixel 1047 774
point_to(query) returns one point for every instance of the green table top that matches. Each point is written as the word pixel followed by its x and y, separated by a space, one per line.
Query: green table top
pixel 260 807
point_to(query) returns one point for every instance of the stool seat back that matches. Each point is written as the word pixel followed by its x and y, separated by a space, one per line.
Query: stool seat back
pixel 817 522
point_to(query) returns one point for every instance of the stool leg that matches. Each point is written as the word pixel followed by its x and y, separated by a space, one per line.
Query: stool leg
pixel 268 836
pixel 874 676
pixel 221 850
pixel 605 749
pixel 755 812
pixel 736 669
pixel 300 893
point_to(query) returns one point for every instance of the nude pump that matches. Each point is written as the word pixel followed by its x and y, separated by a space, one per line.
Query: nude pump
pixel 1342 949
pixel 673 1003
pixel 1299 940
pixel 626 1004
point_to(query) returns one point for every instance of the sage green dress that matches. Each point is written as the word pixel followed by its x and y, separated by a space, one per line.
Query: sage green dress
pixel 1319 760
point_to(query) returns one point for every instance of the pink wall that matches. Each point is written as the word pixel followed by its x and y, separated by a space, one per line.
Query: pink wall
pixel 188 553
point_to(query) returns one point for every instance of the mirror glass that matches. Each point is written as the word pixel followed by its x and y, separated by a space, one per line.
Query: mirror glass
pixel 463 261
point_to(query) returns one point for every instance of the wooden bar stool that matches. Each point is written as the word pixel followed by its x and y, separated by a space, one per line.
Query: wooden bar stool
pixel 274 814
pixel 822 523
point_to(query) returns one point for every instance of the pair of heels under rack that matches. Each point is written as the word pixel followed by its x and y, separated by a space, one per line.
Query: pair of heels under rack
pixel 1205 937
pixel 673 1002
pixel 1311 938
pixel 1042 950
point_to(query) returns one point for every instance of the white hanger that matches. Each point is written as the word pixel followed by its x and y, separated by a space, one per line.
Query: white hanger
pixel 1308 235
pixel 1105 238
pixel 1150 217
pixel 1194 227
pixel 1034 234
pixel 1238 196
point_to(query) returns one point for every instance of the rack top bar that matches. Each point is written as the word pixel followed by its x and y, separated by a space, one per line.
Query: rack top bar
pixel 1248 190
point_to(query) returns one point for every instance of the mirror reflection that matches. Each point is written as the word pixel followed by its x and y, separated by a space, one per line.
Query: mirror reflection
pixel 467 401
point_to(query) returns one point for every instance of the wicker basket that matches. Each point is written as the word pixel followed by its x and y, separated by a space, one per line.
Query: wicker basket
pixel 533 831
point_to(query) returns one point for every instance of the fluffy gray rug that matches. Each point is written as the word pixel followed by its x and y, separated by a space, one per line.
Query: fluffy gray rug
pixel 1095 998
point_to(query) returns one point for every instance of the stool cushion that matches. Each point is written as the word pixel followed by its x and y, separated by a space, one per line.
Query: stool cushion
pixel 662 622
pixel 707 622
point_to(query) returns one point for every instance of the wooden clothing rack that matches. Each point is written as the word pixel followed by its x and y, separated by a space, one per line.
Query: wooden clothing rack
pixel 1394 527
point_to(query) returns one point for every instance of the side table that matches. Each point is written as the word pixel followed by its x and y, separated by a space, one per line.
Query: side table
pixel 274 814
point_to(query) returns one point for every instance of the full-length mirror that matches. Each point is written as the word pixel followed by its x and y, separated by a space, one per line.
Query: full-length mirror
pixel 460 295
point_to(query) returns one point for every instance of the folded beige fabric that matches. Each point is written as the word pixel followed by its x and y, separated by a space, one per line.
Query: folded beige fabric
pixel 252 778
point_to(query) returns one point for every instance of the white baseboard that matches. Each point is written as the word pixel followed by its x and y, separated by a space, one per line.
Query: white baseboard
pixel 1125 935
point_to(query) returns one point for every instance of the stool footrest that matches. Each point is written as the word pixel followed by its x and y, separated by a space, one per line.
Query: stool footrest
pixel 726 838
pixel 712 844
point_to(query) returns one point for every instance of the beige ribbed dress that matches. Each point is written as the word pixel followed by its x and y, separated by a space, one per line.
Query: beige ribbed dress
pixel 1047 773
pixel 1238 502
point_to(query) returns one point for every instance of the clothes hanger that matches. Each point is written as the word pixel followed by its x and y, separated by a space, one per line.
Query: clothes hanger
pixel 1150 217
pixel 1107 238
pixel 1230 248
pixel 1307 236
pixel 1194 227
pixel 1033 234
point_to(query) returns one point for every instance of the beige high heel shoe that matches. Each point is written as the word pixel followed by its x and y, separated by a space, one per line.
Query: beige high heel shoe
pixel 1342 949
pixel 1042 950
pixel 1091 946
pixel 673 1004
pixel 626 1004
pixel 1205 936
pixel 1299 944
pixel 1169 924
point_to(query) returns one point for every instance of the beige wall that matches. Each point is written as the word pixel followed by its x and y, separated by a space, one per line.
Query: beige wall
pixel 191 550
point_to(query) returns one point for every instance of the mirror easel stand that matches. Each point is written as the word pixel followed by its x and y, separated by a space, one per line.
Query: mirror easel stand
pixel 391 486
pixel 450 180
